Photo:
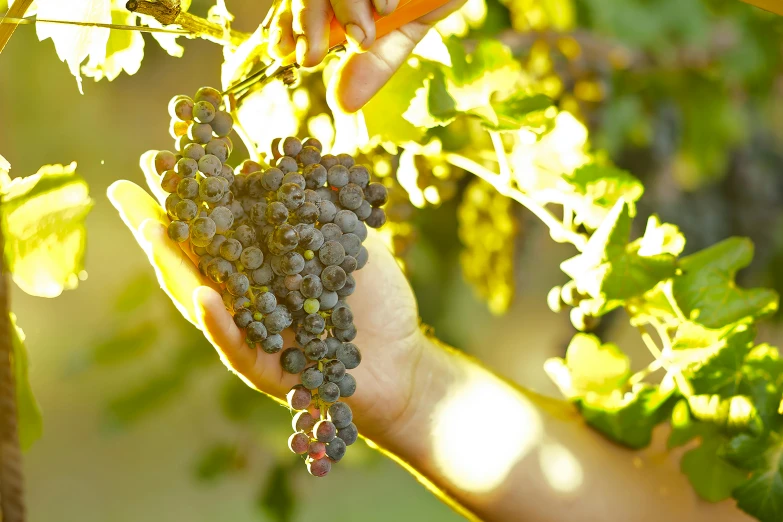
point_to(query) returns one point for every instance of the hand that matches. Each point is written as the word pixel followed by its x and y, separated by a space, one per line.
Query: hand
pixel 302 26
pixel 383 304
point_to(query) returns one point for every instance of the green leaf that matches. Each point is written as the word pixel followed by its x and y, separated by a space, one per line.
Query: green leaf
pixel 218 460
pixel 44 217
pixel 722 372
pixel 76 43
pixel 589 367
pixel 762 495
pixel 439 102
pixel 627 418
pixel 612 269
pixel 706 292
pixel 712 477
pixel 124 50
pixel 520 110
pixel 27 410
pixel 383 115
pixel 731 414
pixel 600 188
pixel 745 451
pixel 276 498
pixel 684 427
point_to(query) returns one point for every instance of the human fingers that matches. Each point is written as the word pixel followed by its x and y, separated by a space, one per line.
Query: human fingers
pixel 281 35
pixel 311 19
pixel 356 17
pixel 151 176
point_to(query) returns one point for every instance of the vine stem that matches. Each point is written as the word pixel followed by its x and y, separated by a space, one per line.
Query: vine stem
pixel 11 481
pixel 500 151
pixel 16 11
pixel 169 13
pixel 556 228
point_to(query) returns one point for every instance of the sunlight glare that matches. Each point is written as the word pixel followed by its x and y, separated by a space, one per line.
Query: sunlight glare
pixel 482 431
pixel 560 467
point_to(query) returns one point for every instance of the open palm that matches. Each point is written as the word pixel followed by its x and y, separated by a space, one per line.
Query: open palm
pixel 383 304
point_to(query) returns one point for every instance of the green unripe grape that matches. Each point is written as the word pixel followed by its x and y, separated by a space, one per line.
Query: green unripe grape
pixel 311 305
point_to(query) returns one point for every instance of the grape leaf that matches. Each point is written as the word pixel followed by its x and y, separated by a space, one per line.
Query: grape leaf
pixel 383 113
pixel 627 418
pixel 684 427
pixel 610 268
pixel 589 367
pixel 432 105
pixel 124 50
pixel 517 111
pixel 706 292
pixel 28 412
pixel 712 477
pixel 44 218
pixel 733 414
pixel 75 43
pixel 761 496
pixel 745 451
pixel 600 188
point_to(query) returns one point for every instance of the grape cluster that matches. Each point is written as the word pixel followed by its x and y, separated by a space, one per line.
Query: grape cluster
pixel 560 297
pixel 282 240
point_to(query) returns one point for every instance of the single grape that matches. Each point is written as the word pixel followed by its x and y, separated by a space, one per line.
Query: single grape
pixel 376 219
pixel 364 211
pixel 317 450
pixel 307 213
pixel 181 107
pixel 311 196
pixel 376 194
pixel 329 392
pixel 210 165
pixel 327 194
pixel 286 164
pixel 295 178
pixel 164 160
pixel 303 422
pixel 172 200
pixel 311 286
pixel 193 151
pixel 346 220
pixel 340 414
pixel 237 284
pixel 299 397
pixel 349 434
pixel 331 253
pixel 331 231
pixel 290 195
pixel 345 334
pixel 275 322
pixel 272 344
pixel 228 301
pixel 328 299
pixel 311 239
pixel 351 244
pixel 218 270
pixel 314 323
pixel 347 385
pixel 315 176
pixel 203 112
pixel 313 142
pixel 309 156
pixel 348 288
pixel 293 282
pixel 227 173
pixel 272 179
pixel 186 167
pixel 326 211
pixel 256 332
pixel 291 146
pixel 203 261
pixel 263 275
pixel 331 347
pixel 324 430
pixel 292 263
pixel 293 360
pixel 242 303
pixel 320 467
pixel 335 450
pixel 351 196
pixel 346 160
pixel 217 148
pixel 169 181
pixel 333 277
pixel 342 317
pixel 334 371
pixel 337 176
pixel 312 378
pixel 299 443
pixel 277 213
pixel 200 132
pixel 361 231
pixel 302 337
pixel 311 305
pixel 313 266
pixel 329 161
pixel 223 219
pixel 266 302
pixel 222 123
pixel 187 188
pixel 202 230
pixel 315 350
pixel 231 249
pixel 251 257
pixel 243 318
pixel 178 231
pixel 361 258
pixel 209 94
pixel 245 235
pixel 294 300
pixel 213 248
pixel 359 175
pixel 349 265
pixel 199 251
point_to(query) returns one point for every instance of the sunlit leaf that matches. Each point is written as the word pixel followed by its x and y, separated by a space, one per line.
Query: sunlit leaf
pixel 517 111
pixel 611 268
pixel 124 50
pixel 76 43
pixel 661 238
pixel 383 114
pixel 432 104
pixel 712 477
pixel 589 367
pixel 44 220
pixel 27 409
pixel 706 291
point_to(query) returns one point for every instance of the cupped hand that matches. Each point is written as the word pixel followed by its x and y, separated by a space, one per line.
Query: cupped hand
pixel 383 304
pixel 302 26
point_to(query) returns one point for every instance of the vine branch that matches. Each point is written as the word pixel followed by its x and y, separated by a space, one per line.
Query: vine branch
pixel 16 11
pixel 171 14
pixel 556 228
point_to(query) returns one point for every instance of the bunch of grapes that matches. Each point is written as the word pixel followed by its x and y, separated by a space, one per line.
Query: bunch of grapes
pixel 560 297
pixel 282 240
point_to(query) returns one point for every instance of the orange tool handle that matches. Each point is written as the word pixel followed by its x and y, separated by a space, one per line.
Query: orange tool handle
pixel 406 12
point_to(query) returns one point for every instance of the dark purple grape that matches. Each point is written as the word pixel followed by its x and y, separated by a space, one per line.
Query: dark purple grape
pixel 231 249
pixel 333 277
pixel 291 146
pixel 309 156
pixel 335 450
pixel 320 467
pixel 293 360
pixel 299 397
pixel 287 164
pixel 324 431
pixel 334 371
pixel 272 179
pixel 347 385
pixel 376 219
pixel 329 392
pixel 272 344
pixel 243 318
pixel 337 176
pixel 303 422
pixel 331 347
pixel 349 434
pixel 315 350
pixel 351 196
pixel 299 443
pixel 376 194
pixel 313 142
pixel 329 161
pixel 340 414
pixel 312 378
pixel 256 332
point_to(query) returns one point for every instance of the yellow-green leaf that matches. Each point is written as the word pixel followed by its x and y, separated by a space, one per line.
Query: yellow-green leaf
pixel 124 50
pixel 27 410
pixel 43 217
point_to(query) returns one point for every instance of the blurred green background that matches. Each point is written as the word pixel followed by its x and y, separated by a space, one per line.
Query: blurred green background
pixel 141 421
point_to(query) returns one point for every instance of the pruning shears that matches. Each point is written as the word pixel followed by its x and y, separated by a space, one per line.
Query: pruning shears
pixel 407 11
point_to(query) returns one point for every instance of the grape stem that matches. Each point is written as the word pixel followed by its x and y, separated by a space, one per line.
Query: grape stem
pixel 16 11
pixel 170 13
pixel 504 186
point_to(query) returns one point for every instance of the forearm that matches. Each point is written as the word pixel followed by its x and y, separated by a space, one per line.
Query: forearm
pixel 502 453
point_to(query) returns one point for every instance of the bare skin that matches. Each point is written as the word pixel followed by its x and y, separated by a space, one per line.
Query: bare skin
pixel 491 449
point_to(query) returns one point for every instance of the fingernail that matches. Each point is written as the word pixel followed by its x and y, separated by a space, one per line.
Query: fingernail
pixel 301 49
pixel 381 6
pixel 355 35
